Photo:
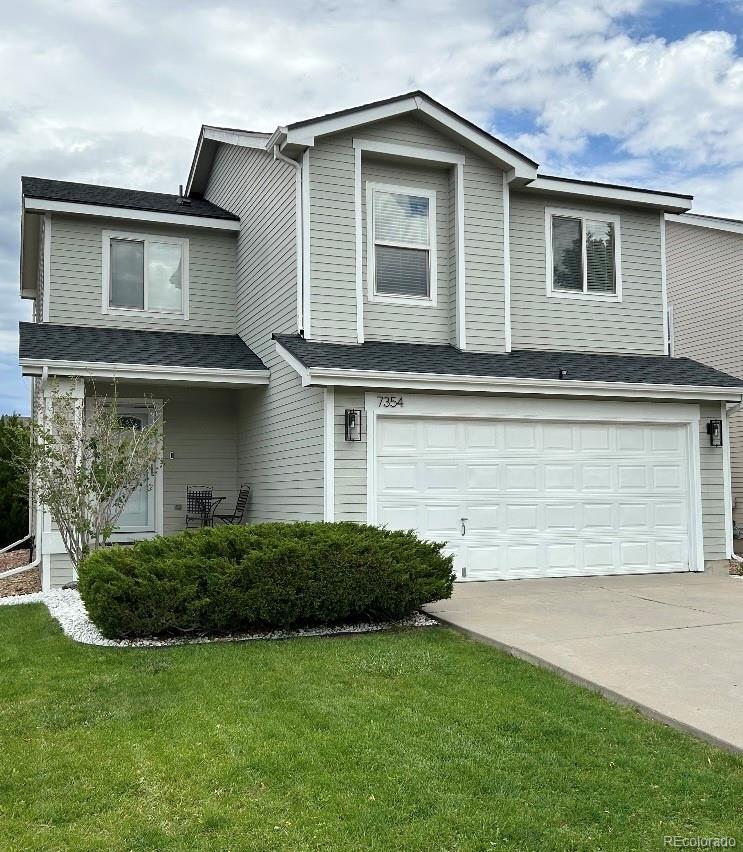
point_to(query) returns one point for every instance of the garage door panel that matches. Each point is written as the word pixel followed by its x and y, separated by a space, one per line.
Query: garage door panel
pixel 539 499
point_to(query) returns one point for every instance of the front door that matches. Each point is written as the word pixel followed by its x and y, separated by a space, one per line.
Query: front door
pixel 139 513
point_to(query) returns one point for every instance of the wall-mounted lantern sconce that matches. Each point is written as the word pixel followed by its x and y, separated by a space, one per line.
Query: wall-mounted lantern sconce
pixel 714 430
pixel 353 424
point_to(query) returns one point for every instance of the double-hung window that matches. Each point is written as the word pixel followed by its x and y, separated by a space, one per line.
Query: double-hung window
pixel 583 254
pixel 401 243
pixel 145 273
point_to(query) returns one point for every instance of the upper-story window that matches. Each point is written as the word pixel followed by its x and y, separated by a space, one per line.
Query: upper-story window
pixel 145 273
pixel 401 244
pixel 583 255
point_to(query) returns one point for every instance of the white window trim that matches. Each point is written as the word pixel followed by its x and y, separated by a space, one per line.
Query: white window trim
pixel 114 310
pixel 387 298
pixel 549 212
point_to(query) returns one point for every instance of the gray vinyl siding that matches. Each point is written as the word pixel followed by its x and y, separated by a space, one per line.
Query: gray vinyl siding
pixel 60 570
pixel 333 247
pixel 75 295
pixel 711 461
pixel 280 427
pixel 632 326
pixel 705 288
pixel 423 323
pixel 350 460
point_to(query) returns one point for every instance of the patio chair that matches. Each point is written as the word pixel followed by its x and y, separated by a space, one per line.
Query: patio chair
pixel 237 516
pixel 198 505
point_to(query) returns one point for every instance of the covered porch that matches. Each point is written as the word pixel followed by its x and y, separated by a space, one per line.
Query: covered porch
pixel 203 411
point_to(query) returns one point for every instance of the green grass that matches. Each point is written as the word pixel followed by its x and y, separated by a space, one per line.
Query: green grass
pixel 410 740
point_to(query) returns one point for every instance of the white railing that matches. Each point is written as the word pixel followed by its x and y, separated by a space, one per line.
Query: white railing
pixel 21 568
pixel 11 546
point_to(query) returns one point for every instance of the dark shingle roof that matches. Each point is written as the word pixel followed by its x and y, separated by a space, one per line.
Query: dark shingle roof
pixel 524 364
pixel 111 196
pixel 45 341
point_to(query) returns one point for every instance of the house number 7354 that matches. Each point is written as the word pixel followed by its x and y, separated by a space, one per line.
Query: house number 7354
pixel 390 401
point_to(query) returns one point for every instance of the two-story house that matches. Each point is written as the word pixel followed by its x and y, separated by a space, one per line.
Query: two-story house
pixel 387 315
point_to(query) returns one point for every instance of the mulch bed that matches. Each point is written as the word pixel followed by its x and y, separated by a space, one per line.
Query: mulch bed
pixel 19 584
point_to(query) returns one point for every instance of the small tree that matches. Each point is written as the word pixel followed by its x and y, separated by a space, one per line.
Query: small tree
pixel 85 461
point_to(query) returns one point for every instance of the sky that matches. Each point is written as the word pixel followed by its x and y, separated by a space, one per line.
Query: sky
pixel 647 92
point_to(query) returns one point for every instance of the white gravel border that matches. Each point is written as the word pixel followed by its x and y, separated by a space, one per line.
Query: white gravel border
pixel 69 610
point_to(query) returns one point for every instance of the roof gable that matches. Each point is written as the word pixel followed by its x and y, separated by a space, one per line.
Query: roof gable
pixel 304 132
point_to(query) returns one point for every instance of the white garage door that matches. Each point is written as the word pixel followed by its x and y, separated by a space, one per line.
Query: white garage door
pixel 538 499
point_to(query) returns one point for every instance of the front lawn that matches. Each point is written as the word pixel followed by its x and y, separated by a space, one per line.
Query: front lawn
pixel 411 740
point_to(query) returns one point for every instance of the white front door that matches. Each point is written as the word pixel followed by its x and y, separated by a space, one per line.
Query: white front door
pixel 533 498
pixel 139 513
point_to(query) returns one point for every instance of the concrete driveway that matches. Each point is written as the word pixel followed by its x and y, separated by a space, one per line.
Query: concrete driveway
pixel 669 644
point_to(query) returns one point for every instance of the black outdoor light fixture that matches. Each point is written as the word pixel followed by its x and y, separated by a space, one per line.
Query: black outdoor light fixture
pixel 714 430
pixel 353 424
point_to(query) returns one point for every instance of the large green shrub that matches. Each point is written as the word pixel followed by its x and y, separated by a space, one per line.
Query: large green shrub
pixel 237 578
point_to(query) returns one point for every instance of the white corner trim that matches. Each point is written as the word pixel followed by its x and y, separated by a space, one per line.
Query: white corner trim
pixel 591 191
pixel 40 205
pixel 461 301
pixel 329 454
pixel 577 213
pixel 696 563
pixel 664 283
pixel 699 221
pixel 46 299
pixel 359 244
pixel 388 298
pixel 297 166
pixel 409 152
pixel 153 372
pixel 306 269
pixel 506 262
pixel 671 333
pixel 106 308
pixel 727 480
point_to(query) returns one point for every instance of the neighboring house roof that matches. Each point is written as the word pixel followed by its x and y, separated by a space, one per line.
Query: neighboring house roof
pixel 519 366
pixel 91 348
pixel 112 196
pixel 715 223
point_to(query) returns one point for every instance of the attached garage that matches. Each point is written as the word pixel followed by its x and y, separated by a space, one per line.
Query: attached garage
pixel 528 464
pixel 519 496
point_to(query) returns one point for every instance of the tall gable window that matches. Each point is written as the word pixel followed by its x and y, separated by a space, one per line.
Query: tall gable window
pixel 145 273
pixel 583 257
pixel 401 244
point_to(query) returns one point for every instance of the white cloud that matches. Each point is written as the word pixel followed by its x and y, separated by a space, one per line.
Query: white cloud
pixel 114 91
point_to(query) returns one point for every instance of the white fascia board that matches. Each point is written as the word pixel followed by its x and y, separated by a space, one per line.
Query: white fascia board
pixel 42 205
pixel 297 366
pixel 659 201
pixel 102 370
pixel 409 152
pixel 306 134
pixel 241 138
pixel 706 222
pixel 522 167
pixel 490 384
